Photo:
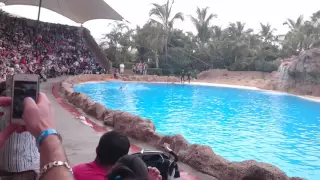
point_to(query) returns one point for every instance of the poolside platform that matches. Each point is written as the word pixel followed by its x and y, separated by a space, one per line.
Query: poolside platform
pixel 80 137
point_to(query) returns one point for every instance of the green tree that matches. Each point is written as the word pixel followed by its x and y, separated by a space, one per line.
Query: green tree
pixel 266 33
pixel 235 47
pixel 150 38
pixel 164 17
pixel 293 41
pixel 238 42
pixel 294 24
pixel 202 24
pixel 118 43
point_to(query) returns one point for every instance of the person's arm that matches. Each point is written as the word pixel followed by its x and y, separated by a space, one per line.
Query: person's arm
pixel 51 150
pixel 39 120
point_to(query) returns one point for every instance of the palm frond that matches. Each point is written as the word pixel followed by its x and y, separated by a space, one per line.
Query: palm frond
pixel 178 16
pixel 158 11
pixel 196 23
pixel 199 14
pixel 299 20
pixel 175 17
pixel 169 7
pixel 210 17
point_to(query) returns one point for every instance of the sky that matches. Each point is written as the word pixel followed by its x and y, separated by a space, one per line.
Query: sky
pixel 251 12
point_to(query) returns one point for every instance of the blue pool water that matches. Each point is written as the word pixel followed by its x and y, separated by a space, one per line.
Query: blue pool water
pixel 238 124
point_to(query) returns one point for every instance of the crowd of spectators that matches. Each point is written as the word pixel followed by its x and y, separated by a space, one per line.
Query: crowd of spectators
pixel 140 68
pixel 42 48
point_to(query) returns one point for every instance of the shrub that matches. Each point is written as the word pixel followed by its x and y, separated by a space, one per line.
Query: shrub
pixel 176 72
pixel 267 66
pixel 155 71
pixel 166 72
pixel 115 64
pixel 128 65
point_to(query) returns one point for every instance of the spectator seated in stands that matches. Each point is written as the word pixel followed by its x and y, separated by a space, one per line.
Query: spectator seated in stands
pixel 51 49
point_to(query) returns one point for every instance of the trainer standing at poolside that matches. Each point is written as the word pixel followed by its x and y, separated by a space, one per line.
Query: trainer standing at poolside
pixel 182 76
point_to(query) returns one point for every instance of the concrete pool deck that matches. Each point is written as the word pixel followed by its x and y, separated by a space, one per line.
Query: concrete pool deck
pixel 80 137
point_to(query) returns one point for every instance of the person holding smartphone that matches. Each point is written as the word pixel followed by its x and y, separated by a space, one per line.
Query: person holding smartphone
pixel 20 155
pixel 39 122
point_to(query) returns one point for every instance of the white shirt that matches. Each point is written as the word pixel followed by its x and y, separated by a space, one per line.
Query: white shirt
pixel 121 68
pixel 19 153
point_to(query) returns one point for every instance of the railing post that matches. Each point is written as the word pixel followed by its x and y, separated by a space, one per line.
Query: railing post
pixel 39 10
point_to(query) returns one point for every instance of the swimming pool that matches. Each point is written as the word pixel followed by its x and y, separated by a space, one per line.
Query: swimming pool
pixel 238 124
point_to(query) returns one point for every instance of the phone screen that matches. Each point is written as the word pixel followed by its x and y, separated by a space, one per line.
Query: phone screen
pixel 22 89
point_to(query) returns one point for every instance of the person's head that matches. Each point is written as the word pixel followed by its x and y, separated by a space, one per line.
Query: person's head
pixel 112 146
pixel 129 167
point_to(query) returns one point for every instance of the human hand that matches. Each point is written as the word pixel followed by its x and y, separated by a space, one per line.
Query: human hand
pixel 38 117
pixel 154 174
pixel 6 133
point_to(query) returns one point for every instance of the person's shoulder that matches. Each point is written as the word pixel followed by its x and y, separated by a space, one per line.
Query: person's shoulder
pixel 79 167
pixel 88 171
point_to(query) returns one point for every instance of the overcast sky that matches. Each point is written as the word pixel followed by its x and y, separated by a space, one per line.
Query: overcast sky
pixel 251 12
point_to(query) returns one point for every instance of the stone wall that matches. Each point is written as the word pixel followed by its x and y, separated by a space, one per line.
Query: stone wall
pixel 301 74
pixel 201 158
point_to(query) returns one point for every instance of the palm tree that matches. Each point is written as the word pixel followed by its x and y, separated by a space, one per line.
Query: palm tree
pixel 292 24
pixel 237 30
pixel 154 40
pixel 295 37
pixel 115 41
pixel 202 24
pixel 315 18
pixel 266 32
pixel 150 38
pixel 113 38
pixel 163 14
pixel 238 40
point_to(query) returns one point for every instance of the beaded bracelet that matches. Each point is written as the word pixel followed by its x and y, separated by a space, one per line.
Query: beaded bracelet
pixel 53 164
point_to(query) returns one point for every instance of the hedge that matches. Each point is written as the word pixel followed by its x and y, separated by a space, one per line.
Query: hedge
pixel 155 71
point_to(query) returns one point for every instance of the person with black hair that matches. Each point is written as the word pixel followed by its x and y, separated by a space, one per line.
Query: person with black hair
pixel 133 168
pixel 112 146
pixel 182 76
pixel 189 76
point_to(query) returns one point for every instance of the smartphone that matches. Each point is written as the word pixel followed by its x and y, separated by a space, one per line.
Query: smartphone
pixel 9 85
pixel 23 85
pixel 7 117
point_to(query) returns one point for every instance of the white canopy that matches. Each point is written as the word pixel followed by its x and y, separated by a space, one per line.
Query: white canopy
pixel 79 11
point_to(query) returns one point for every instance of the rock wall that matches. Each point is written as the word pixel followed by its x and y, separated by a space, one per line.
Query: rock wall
pixel 301 74
pixel 201 158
